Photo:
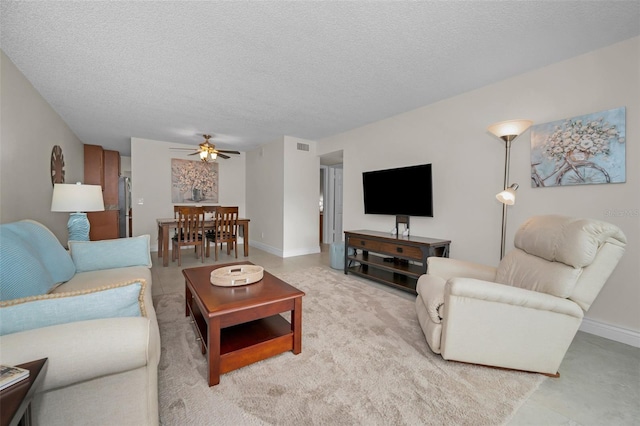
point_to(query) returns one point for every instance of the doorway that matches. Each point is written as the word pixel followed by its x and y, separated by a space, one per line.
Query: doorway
pixel 331 198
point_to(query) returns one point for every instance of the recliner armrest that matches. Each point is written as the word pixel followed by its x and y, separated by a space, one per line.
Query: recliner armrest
pixel 500 293
pixel 448 268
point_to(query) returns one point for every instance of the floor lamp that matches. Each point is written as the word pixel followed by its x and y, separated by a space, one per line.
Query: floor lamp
pixel 507 131
pixel 78 199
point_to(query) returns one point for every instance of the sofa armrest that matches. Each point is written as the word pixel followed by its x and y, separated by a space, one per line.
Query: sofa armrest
pixel 430 289
pixel 500 293
pixel 448 268
pixel 84 350
pixel 110 254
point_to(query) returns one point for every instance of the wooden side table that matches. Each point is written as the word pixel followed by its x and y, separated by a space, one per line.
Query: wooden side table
pixel 15 401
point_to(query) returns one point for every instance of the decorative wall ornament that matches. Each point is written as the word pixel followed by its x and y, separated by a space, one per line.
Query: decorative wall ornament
pixel 194 181
pixel 583 150
pixel 57 165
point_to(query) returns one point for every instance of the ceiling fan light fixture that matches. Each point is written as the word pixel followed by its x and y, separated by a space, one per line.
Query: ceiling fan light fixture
pixel 207 151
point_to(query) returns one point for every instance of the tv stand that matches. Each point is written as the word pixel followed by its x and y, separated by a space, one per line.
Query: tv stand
pixel 396 261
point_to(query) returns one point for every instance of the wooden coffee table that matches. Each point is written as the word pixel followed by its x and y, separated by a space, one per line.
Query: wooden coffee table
pixel 241 325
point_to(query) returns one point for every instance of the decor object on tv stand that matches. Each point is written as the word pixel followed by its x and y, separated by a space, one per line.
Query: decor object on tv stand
pixel 408 259
pixel 507 131
pixel 79 199
pixel 402 218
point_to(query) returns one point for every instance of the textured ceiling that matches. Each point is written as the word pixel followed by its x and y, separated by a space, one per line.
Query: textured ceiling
pixel 250 72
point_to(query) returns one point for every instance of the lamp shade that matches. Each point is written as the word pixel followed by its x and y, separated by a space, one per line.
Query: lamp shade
pixel 76 198
pixel 509 129
pixel 508 196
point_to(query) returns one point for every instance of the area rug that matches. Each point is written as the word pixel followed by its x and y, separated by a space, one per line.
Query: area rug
pixel 364 361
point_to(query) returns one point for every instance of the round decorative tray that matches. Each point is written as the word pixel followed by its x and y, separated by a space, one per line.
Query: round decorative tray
pixel 231 276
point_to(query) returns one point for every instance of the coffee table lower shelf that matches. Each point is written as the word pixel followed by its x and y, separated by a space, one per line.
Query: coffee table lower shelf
pixel 246 343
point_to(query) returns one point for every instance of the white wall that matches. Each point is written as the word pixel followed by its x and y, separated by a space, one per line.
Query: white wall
pixel 151 183
pixel 125 166
pixel 301 211
pixel 282 197
pixel 265 196
pixel 468 165
pixel 30 129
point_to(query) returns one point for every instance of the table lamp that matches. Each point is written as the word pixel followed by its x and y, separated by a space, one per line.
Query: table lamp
pixel 77 198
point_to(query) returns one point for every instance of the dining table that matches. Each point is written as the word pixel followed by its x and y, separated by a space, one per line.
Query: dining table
pixel 164 225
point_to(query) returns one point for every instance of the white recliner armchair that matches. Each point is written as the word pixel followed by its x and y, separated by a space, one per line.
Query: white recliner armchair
pixel 523 314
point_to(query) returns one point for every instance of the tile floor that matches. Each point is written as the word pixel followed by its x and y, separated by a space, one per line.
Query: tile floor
pixel 599 381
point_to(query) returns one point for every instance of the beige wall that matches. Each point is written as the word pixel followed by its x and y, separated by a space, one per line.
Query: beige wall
pixel 29 129
pixel 151 183
pixel 468 166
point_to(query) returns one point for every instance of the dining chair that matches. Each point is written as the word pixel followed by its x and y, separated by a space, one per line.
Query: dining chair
pixel 175 216
pixel 209 212
pixel 225 230
pixel 190 232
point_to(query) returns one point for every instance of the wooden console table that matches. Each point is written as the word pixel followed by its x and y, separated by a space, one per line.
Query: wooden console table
pixel 399 261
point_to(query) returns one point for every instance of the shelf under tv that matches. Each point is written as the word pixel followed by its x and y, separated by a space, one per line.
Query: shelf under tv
pixel 408 257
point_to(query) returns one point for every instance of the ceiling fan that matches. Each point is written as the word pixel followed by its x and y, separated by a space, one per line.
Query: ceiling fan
pixel 207 151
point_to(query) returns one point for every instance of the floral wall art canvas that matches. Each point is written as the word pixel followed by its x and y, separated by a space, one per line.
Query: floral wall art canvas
pixel 583 150
pixel 194 181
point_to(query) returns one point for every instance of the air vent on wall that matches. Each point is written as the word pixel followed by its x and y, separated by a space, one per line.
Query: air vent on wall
pixel 303 147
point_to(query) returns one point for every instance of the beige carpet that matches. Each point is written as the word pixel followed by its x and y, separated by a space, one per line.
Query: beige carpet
pixel 364 361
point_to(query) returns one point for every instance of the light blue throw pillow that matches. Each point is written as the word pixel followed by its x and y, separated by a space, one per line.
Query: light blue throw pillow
pixel 47 248
pixel 22 273
pixel 108 254
pixel 120 300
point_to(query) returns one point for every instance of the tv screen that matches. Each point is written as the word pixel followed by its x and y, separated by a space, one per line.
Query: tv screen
pixel 401 191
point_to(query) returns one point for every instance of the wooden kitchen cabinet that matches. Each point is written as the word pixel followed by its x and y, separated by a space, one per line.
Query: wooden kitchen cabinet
pixel 103 225
pixel 111 177
pixel 102 167
pixel 94 165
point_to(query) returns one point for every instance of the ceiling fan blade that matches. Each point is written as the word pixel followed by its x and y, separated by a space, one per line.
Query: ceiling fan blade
pixel 227 151
pixel 183 149
pixel 222 155
pixel 195 153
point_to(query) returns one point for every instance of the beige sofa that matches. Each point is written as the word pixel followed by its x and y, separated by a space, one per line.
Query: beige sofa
pixel 102 370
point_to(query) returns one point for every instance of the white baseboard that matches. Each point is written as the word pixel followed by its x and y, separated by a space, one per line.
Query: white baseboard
pixel 265 247
pixel 301 252
pixel 281 253
pixel 617 334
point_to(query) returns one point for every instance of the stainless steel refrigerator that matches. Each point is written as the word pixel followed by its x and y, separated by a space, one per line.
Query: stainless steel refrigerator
pixel 124 206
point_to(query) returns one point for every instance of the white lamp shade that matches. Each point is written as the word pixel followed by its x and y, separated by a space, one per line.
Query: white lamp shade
pixel 511 128
pixel 76 198
pixel 508 196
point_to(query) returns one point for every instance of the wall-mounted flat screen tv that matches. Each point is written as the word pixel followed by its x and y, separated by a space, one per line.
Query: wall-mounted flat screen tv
pixel 400 191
